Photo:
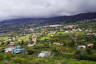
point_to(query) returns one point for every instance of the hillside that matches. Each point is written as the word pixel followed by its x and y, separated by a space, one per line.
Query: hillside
pixel 13 25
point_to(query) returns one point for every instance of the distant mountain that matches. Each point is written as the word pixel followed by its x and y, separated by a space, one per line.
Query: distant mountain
pixel 21 23
pixel 65 19
pixel 72 19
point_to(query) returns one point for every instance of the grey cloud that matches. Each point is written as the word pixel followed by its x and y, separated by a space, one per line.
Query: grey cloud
pixel 44 8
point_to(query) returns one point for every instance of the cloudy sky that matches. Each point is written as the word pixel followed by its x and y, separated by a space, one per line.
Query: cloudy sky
pixel 44 8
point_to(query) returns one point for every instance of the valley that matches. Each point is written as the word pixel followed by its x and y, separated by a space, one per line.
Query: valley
pixel 49 43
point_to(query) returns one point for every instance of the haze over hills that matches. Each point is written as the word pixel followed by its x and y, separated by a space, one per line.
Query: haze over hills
pixel 12 25
pixel 65 19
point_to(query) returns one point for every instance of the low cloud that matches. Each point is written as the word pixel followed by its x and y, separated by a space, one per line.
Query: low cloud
pixel 44 8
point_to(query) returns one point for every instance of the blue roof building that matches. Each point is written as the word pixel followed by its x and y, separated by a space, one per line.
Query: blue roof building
pixel 19 49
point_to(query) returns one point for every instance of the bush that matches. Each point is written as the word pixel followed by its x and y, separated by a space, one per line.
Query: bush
pixel 18 60
pixel 81 54
pixel 85 55
pixel 1 57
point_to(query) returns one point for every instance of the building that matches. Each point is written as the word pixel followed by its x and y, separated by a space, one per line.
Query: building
pixel 11 44
pixel 9 49
pixel 31 45
pixel 15 50
pixel 45 54
pixel 58 43
pixel 90 45
pixel 19 49
pixel 81 47
pixel 70 26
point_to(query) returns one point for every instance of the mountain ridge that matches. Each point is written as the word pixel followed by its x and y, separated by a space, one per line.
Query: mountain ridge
pixel 78 17
pixel 13 25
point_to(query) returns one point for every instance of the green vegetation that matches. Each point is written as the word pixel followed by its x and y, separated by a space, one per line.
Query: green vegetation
pixel 62 54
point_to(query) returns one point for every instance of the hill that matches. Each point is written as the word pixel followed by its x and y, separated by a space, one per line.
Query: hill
pixel 13 25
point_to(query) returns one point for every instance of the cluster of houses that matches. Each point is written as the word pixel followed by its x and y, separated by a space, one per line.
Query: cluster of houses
pixel 91 33
pixel 16 49
pixel 12 48
pixel 64 28
pixel 67 28
pixel 90 45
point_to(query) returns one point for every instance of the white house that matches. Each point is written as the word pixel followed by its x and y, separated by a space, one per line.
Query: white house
pixel 81 47
pixel 9 49
pixel 45 54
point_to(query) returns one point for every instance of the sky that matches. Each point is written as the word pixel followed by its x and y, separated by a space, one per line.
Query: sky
pixel 44 8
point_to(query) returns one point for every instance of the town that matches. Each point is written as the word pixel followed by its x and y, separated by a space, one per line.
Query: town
pixel 51 44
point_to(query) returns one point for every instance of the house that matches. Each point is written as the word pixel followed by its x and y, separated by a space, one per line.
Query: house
pixel 90 45
pixel 58 43
pixel 81 47
pixel 34 38
pixel 19 49
pixel 57 25
pixel 13 38
pixel 11 44
pixel 31 45
pixel 9 49
pixel 45 54
pixel 66 31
